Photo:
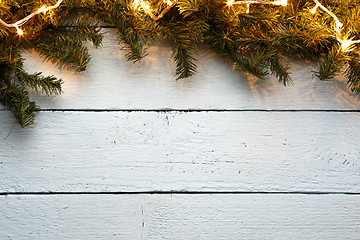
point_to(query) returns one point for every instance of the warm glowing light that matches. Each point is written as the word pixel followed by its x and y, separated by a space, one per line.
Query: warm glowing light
pixel 142 4
pixel 145 6
pixel 281 2
pixel 136 3
pixel 21 22
pixel 230 3
pixel 43 9
pixel 346 44
pixel 338 23
pixel 19 31
pixel 313 11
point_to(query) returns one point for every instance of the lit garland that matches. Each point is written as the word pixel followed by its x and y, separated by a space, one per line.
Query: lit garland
pixel 141 4
pixel 256 44
pixel 137 4
pixel 21 22
pixel 345 43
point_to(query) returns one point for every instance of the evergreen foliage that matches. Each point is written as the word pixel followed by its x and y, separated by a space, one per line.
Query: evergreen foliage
pixel 258 42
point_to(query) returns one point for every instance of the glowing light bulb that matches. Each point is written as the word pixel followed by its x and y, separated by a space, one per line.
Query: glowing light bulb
pixel 27 18
pixel 281 2
pixel 339 25
pixel 19 31
pixel 229 3
pixel 346 44
pixel 136 3
pixel 145 6
pixel 43 9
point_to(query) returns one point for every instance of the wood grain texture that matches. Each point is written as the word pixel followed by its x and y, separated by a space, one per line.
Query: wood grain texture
pixel 178 151
pixel 110 82
pixel 180 217
pixel 138 151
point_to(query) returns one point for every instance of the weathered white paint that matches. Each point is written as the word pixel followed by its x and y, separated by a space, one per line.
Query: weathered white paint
pixel 112 82
pixel 180 217
pixel 199 151
pixel 178 151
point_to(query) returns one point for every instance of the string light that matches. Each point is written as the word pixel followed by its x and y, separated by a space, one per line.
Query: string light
pixel 19 31
pixel 229 3
pixel 313 10
pixel 43 9
pixel 137 4
pixel 346 44
pixel 281 3
pixel 21 22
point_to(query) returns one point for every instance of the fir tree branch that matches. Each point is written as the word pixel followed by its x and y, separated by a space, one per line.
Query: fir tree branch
pixel 50 85
pixel 255 63
pixel 82 30
pixel 183 52
pixel 72 53
pixel 256 41
pixel 185 36
pixel 16 98
pixel 331 64
pixel 187 7
pixel 65 43
pixel 10 56
pixel 280 71
pixel 135 32
pixel 352 73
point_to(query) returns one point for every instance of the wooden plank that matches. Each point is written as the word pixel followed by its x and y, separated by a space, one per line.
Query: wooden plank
pixel 111 82
pixel 182 151
pixel 180 217
pixel 72 217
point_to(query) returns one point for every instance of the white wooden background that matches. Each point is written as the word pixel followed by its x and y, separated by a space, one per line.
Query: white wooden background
pixel 128 152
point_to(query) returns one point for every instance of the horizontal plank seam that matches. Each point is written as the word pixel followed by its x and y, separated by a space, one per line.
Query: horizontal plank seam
pixel 179 193
pixel 196 110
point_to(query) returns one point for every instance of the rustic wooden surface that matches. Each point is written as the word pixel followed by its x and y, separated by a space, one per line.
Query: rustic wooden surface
pixel 177 151
pixel 219 216
pixel 128 152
